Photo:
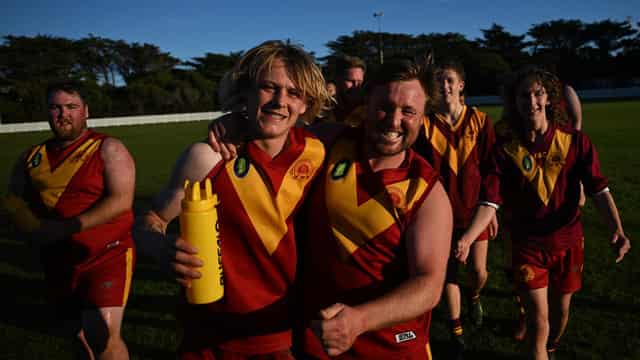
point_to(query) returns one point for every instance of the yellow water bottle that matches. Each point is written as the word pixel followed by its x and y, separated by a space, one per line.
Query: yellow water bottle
pixel 199 227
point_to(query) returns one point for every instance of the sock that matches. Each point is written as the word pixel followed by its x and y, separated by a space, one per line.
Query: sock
pixel 456 327
pixel 552 347
pixel 475 297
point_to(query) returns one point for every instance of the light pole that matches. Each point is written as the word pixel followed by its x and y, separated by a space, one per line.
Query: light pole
pixel 378 16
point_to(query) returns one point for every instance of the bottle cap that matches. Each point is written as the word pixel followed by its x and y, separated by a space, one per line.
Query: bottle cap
pixel 198 199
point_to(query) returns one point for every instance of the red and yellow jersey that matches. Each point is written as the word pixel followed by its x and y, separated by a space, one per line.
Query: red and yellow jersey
pixel 259 197
pixel 539 185
pixel 355 249
pixel 65 182
pixel 460 154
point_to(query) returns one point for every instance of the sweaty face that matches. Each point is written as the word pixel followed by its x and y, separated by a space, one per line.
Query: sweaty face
pixel 275 103
pixel 67 115
pixel 531 102
pixel 451 86
pixel 394 116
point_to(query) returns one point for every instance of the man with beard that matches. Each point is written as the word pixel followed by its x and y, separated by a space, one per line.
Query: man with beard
pixel 80 186
pixel 378 229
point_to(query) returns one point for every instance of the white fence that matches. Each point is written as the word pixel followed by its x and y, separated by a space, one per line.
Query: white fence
pixel 596 94
pixel 116 121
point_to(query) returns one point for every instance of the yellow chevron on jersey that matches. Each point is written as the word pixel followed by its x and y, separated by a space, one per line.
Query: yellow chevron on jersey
pixel 269 213
pixel 51 183
pixel 455 156
pixel 352 224
pixel 543 179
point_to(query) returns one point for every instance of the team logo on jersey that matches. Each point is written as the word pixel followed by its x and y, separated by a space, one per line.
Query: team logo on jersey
pixel 241 166
pixel 36 160
pixel 302 170
pixel 405 336
pixel 527 163
pixel 556 159
pixel 397 197
pixel 526 273
pixel 340 169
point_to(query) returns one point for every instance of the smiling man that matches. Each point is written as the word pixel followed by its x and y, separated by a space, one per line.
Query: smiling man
pixel 535 172
pixel 259 193
pixel 378 229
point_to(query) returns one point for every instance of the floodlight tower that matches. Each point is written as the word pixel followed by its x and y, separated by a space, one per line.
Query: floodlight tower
pixel 378 16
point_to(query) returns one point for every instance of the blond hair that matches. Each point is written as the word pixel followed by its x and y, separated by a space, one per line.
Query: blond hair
pixel 301 68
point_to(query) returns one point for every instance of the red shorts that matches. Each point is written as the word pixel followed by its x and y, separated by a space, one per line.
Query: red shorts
pixel 103 282
pixel 219 354
pixel 537 268
pixel 453 264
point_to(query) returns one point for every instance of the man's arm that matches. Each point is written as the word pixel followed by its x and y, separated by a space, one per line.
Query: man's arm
pixel 150 231
pixel 574 107
pixel 484 216
pixel 428 244
pixel 119 180
pixel 607 206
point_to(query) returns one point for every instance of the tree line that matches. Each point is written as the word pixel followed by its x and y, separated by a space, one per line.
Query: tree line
pixel 134 79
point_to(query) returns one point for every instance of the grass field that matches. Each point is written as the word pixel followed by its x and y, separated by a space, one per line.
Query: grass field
pixel 605 323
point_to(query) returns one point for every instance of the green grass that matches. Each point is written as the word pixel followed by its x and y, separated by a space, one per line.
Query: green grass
pixel 604 324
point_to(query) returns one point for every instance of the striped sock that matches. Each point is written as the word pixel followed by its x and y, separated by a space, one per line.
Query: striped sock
pixel 456 327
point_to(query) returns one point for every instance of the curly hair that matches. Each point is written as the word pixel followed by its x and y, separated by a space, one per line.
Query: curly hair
pixel 555 112
pixel 300 66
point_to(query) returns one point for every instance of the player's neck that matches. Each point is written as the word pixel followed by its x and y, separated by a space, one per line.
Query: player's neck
pixel 273 146
pixel 536 132
pixel 66 143
pixel 451 112
pixel 378 163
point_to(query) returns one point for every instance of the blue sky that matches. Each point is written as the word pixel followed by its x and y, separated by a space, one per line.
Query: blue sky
pixel 190 28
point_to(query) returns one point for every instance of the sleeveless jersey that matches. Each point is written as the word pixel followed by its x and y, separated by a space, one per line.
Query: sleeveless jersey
pixel 65 182
pixel 356 249
pixel 259 197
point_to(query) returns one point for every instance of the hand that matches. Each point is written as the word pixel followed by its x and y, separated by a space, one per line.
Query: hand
pixel 51 231
pixel 339 328
pixel 222 132
pixel 620 244
pixel 493 227
pixel 461 251
pixel 184 263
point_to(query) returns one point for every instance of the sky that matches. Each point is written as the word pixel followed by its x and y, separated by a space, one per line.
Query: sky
pixel 191 28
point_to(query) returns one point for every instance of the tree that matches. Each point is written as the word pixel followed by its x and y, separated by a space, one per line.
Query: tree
pixel 510 47
pixel 135 60
pixel 608 36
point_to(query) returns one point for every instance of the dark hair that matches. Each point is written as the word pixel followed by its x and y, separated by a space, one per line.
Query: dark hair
pixel 455 65
pixel 70 87
pixel 403 69
pixel 555 112
pixel 345 62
